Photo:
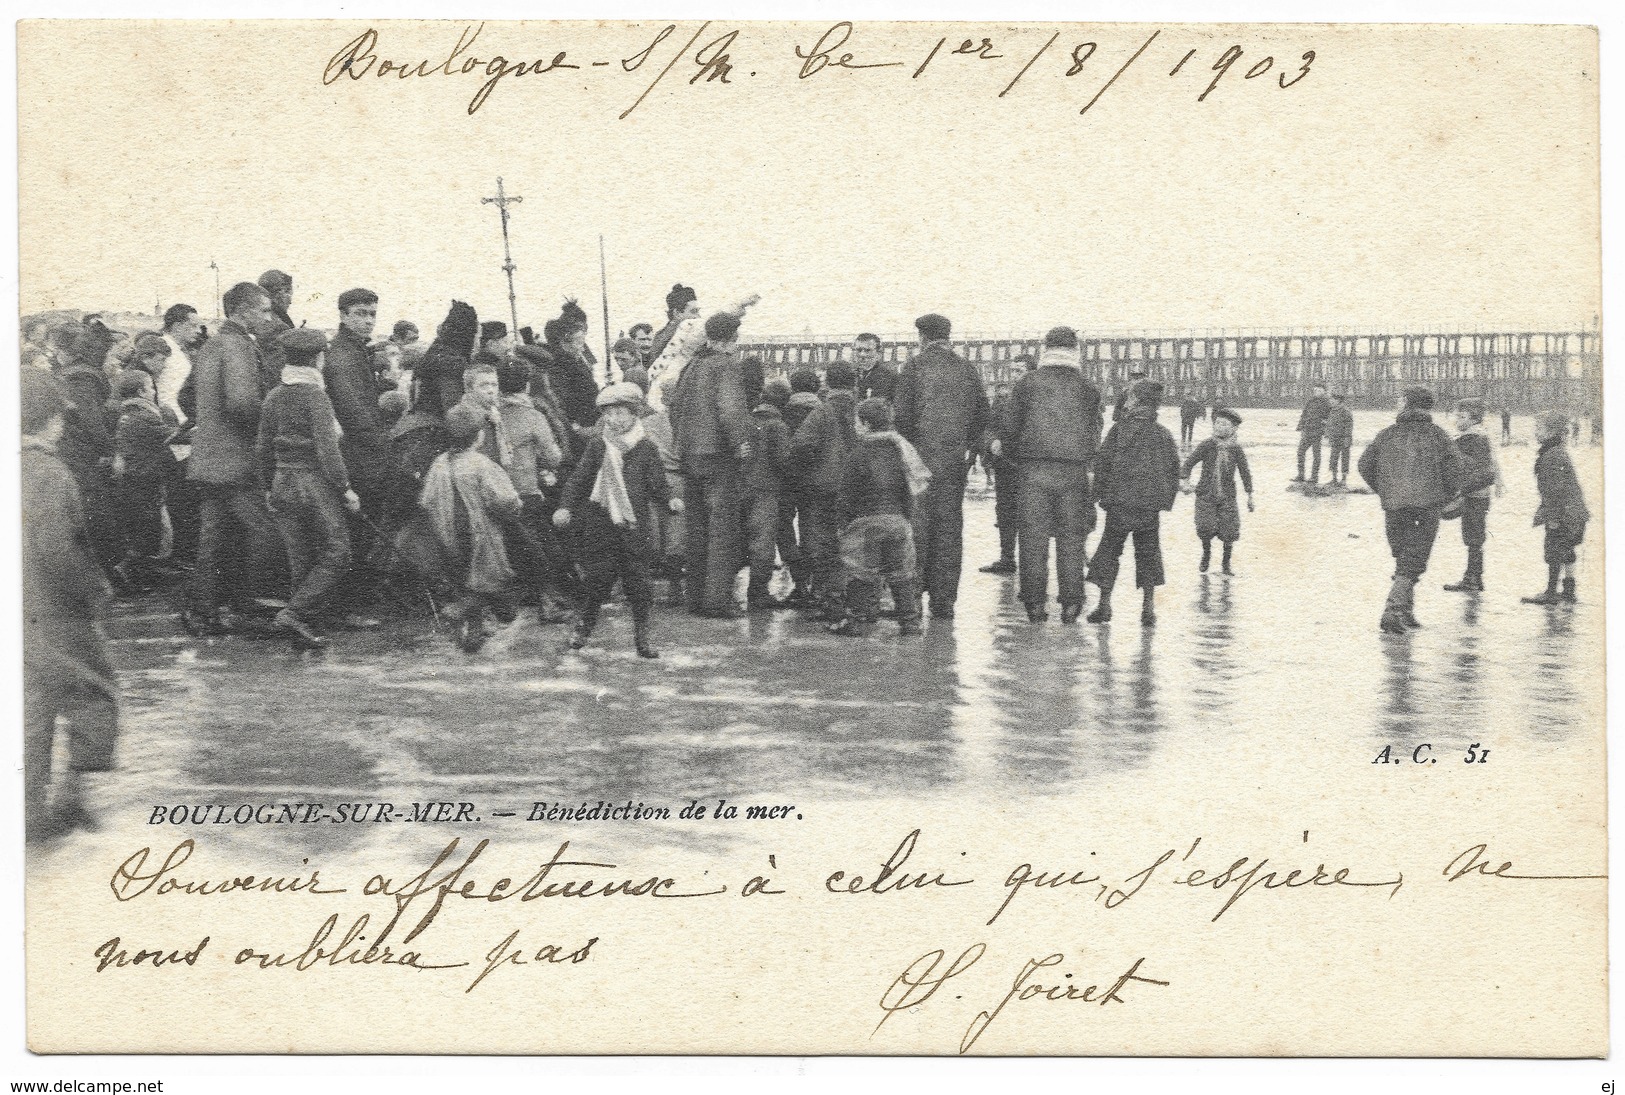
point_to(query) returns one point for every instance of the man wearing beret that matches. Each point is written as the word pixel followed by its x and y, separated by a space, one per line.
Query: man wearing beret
pixel 234 526
pixel 354 390
pixel 941 408
pixel 712 427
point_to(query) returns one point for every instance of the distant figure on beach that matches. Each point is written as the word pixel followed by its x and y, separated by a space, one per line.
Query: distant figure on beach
pixel 1340 435
pixel 1562 509
pixel 1311 429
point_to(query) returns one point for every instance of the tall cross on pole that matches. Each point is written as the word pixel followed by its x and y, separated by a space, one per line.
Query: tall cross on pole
pixel 502 201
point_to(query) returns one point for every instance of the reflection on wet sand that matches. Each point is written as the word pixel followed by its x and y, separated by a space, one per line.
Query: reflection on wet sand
pixel 773 708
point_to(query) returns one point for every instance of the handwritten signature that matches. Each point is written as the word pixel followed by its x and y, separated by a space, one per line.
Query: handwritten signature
pixel 920 981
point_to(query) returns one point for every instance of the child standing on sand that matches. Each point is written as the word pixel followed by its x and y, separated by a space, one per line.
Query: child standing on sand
pixel 1222 460
pixel 1562 508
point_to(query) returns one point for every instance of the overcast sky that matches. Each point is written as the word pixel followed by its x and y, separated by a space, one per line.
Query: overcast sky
pixel 1416 177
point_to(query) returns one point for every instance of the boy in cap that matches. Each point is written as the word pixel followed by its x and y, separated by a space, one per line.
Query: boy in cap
pixel 469 501
pixel 65 668
pixel 1481 475
pixel 612 486
pixel 1222 460
pixel 303 471
pixel 1562 508
pixel 142 464
pixel 1414 468
pixel 1340 436
pixel 882 479
pixel 1136 478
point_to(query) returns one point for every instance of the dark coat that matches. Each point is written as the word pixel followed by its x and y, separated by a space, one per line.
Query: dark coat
pixel 642 470
pixel 298 430
pixel 1313 418
pixel 228 376
pixel 940 404
pixel 1137 467
pixel 61 579
pixel 86 440
pixel 1208 486
pixel 142 439
pixel 1053 414
pixel 1562 505
pixel 1339 423
pixel 1412 464
pixel 819 448
pixel 874 481
pixel 573 386
pixel 879 382
pixel 438 380
pixel 353 388
pixel 709 415
pixel 801 404
pixel 770 451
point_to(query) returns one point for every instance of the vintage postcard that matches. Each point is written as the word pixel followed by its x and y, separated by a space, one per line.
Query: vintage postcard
pixel 822 537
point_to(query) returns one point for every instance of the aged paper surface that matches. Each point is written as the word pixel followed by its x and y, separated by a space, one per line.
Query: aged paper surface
pixel 1258 826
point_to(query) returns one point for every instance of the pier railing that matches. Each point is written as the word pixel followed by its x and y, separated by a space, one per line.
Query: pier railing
pixel 1522 369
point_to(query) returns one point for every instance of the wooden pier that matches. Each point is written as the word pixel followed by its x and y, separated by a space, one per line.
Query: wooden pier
pixel 1526 370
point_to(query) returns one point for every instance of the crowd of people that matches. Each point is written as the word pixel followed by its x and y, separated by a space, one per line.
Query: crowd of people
pixel 286 482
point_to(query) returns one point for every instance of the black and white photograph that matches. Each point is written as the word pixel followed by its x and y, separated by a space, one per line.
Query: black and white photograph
pixel 932 539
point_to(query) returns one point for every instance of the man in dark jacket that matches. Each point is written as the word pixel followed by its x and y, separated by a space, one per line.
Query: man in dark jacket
pixel 354 390
pixel 227 382
pixel 86 445
pixel 818 453
pixel 711 425
pixel 1415 469
pixel 876 379
pixel 941 409
pixel 1311 430
pixel 1136 478
pixel 1052 429
pixel 65 668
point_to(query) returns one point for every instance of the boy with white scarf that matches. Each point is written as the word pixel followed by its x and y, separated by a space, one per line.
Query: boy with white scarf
pixel 613 485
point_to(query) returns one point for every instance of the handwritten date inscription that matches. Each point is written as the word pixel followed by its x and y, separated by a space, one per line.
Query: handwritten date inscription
pixel 727 56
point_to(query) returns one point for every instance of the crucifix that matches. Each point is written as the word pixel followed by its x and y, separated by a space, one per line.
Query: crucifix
pixel 502 201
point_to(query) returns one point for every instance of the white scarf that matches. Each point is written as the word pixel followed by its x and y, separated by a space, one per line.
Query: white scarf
pixel 919 476
pixel 1060 355
pixel 609 489
pixel 302 374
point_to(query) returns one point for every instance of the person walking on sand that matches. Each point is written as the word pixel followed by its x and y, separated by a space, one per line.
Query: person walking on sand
pixel 1415 469
pixel 1136 479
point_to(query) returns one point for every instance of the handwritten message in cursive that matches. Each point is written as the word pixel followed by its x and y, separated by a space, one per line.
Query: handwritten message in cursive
pixel 723 56
pixel 464 880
